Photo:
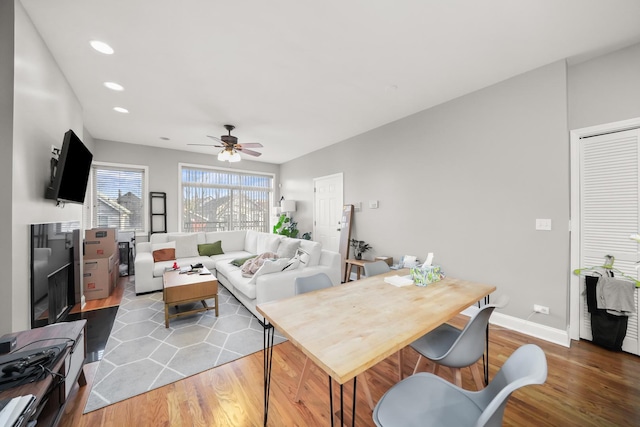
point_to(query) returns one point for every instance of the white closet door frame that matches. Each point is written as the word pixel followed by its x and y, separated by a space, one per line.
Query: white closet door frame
pixel 575 135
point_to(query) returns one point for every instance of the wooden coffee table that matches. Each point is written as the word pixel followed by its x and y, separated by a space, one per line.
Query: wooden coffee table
pixel 185 288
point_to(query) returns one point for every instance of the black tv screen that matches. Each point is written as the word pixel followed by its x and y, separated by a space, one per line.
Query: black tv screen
pixel 71 175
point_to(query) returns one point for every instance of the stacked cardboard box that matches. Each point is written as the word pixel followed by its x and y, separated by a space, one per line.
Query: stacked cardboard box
pixel 100 263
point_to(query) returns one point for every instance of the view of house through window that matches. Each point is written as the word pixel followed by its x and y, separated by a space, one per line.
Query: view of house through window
pixel 118 197
pixel 222 200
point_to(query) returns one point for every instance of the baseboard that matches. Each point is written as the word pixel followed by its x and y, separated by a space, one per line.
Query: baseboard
pixel 536 330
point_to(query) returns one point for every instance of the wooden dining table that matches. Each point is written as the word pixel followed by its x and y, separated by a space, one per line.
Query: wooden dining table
pixel 348 328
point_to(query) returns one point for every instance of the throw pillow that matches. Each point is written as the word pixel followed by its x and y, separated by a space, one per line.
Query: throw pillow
pixel 186 245
pixel 165 245
pixel 239 261
pixel 267 243
pixel 302 257
pixel 288 247
pixel 270 266
pixel 293 263
pixel 167 254
pixel 210 249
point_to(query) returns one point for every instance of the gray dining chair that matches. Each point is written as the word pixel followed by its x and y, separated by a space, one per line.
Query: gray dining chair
pixel 309 284
pixel 376 267
pixel 425 399
pixel 449 346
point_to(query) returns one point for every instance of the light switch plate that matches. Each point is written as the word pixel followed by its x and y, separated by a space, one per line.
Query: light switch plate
pixel 373 204
pixel 543 224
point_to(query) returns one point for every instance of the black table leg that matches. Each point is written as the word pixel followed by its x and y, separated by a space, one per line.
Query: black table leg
pixel 268 359
pixel 485 361
pixel 353 414
pixel 331 399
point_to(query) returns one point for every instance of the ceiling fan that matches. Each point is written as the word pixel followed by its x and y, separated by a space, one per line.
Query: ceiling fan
pixel 231 148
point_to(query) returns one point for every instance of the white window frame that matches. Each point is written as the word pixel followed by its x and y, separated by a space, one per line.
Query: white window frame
pixel 145 192
pixel 215 168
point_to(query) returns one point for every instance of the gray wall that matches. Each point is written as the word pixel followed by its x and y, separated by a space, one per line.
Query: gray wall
pixel 163 168
pixel 605 89
pixel 44 108
pixel 466 180
pixel 6 145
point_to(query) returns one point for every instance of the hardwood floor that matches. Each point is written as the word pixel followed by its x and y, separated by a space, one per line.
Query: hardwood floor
pixel 586 386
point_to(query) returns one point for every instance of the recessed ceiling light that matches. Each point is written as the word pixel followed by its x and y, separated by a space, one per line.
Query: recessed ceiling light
pixel 121 110
pixel 101 47
pixel 113 86
pixel 164 138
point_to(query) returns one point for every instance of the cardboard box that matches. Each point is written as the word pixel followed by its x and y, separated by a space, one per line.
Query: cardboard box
pixel 98 279
pixel 101 234
pixel 100 242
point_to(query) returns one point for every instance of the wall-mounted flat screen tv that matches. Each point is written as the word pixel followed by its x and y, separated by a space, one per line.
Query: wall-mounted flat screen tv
pixel 71 173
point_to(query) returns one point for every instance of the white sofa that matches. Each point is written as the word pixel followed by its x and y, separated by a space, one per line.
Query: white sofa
pixel 235 245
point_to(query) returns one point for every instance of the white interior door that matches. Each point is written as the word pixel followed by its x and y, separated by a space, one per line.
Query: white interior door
pixel 327 210
pixel 609 213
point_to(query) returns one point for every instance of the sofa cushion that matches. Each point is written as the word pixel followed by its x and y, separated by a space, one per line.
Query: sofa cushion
pixel 242 285
pixel 160 267
pixel 251 241
pixel 267 243
pixel 288 247
pixel 186 245
pixel 314 249
pixel 270 266
pixel 209 249
pixel 231 240
pixel 166 254
pixel 227 257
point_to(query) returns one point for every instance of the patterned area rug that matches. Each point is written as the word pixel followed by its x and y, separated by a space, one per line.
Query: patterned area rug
pixel 141 354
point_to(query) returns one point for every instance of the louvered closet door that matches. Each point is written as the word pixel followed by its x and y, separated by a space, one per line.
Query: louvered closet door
pixel 609 211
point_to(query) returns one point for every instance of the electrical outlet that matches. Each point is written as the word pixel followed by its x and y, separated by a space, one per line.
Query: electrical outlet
pixel 540 309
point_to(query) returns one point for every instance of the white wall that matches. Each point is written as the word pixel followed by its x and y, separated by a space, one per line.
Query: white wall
pixel 45 107
pixel 163 168
pixel 465 180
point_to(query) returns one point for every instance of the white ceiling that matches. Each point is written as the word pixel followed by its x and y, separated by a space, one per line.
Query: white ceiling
pixel 299 75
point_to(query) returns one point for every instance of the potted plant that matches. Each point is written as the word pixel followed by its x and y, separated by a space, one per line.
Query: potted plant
pixel 359 247
pixel 286 227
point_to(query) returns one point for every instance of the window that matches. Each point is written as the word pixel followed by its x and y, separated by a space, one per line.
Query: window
pixel 117 196
pixel 222 200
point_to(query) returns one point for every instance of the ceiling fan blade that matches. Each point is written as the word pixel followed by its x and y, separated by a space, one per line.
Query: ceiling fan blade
pixel 208 145
pixel 214 137
pixel 249 152
pixel 251 144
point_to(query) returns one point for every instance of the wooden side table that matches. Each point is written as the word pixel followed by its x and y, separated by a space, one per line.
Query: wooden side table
pixel 352 262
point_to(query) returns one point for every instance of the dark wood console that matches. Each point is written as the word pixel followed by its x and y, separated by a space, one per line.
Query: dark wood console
pixel 51 393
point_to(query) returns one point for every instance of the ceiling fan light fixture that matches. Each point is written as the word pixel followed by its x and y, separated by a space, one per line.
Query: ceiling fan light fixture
pixel 224 155
pixel 235 157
